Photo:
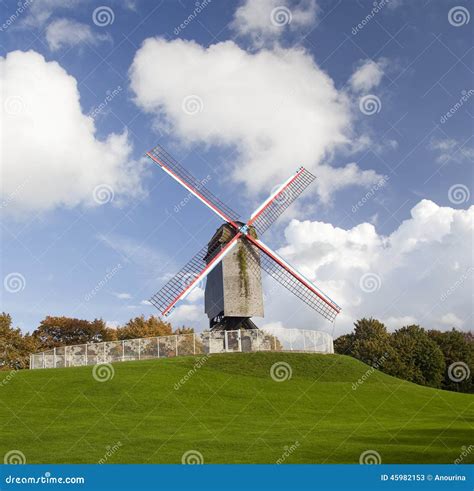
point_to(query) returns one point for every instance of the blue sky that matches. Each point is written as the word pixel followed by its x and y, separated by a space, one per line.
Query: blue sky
pixel 64 252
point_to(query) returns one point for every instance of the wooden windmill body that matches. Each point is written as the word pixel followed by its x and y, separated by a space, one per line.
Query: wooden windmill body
pixel 233 291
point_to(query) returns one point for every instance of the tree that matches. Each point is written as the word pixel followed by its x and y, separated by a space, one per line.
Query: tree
pixel 15 348
pixel 343 344
pixel 184 330
pixel 457 348
pixel 139 327
pixel 371 344
pixel 60 331
pixel 422 360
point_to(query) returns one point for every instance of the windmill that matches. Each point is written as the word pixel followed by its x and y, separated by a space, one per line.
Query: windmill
pixel 235 255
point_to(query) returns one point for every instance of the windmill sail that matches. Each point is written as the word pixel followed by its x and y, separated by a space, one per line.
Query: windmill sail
pixel 264 216
pixel 293 281
pixel 258 256
pixel 190 275
pixel 172 167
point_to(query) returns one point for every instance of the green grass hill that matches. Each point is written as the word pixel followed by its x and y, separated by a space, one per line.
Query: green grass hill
pixel 231 410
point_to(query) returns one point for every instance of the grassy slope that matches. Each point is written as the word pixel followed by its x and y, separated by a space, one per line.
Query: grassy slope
pixel 232 412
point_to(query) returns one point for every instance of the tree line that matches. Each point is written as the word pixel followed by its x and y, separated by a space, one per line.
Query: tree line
pixel 443 360
pixel 16 347
pixel 426 357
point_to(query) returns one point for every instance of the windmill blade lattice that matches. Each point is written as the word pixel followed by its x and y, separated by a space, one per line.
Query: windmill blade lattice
pixel 269 213
pixel 287 277
pixel 161 157
pixel 190 275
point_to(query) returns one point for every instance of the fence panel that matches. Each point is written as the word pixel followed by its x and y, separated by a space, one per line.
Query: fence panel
pixel 272 339
pixel 168 346
pixel 149 348
pixel 216 342
pixel 112 351
pixel 186 345
pixel 95 353
pixel 131 349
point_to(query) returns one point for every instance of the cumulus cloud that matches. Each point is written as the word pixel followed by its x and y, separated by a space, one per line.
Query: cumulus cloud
pixel 191 315
pixel 265 21
pixel 65 32
pixel 368 75
pixel 50 154
pixel 420 273
pixel 451 151
pixel 220 96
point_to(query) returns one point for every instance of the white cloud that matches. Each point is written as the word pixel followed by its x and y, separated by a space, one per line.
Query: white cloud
pixel 451 150
pixel 301 120
pixel 266 20
pixel 149 259
pixel 367 76
pixel 66 32
pixel 50 154
pixel 398 322
pixel 189 315
pixel 421 273
pixel 452 320
pixel 123 296
pixel 40 11
pixel 196 295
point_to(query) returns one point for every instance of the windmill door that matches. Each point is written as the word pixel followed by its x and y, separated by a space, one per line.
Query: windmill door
pixel 233 341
